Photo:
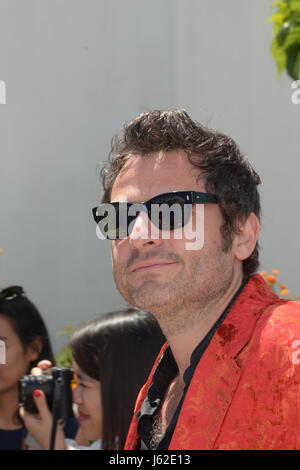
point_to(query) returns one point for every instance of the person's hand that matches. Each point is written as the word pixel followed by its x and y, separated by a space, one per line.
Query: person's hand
pixel 39 425
pixel 42 368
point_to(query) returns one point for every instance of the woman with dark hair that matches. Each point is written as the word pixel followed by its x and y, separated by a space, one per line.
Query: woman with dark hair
pixel 118 350
pixel 113 356
pixel 26 341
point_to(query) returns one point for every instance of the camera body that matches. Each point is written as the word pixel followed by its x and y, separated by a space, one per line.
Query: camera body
pixel 56 387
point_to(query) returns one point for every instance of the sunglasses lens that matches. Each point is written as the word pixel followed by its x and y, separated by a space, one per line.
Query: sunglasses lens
pixel 167 212
pixel 106 223
pixel 116 229
pixel 170 212
pixel 112 224
pixel 103 223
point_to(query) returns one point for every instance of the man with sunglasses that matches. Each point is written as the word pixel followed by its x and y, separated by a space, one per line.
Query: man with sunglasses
pixel 225 378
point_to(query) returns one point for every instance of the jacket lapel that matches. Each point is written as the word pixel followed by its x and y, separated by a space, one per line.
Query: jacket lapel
pixel 217 375
pixel 132 440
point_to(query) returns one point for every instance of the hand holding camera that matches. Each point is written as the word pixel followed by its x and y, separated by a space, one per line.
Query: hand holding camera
pixel 47 398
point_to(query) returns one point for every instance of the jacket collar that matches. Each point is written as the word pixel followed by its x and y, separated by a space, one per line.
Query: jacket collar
pixel 217 374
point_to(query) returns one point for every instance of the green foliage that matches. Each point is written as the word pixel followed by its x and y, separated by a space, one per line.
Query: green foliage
pixel 285 45
pixel 64 357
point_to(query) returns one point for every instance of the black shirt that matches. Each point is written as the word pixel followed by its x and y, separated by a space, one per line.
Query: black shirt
pixel 14 439
pixel 165 372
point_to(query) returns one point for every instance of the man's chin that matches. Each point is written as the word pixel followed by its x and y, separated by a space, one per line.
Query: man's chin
pixel 149 292
pixel 150 299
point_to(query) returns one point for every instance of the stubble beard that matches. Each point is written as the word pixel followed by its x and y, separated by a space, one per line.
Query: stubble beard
pixel 179 303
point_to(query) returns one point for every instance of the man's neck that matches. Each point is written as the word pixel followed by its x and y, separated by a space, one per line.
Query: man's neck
pixel 184 342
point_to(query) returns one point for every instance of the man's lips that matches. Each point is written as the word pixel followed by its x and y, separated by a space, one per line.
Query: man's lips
pixel 150 265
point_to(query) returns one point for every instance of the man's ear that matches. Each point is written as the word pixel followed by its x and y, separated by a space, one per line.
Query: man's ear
pixel 34 349
pixel 246 240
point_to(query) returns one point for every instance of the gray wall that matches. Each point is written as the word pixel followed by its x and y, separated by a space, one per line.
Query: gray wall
pixel 226 77
pixel 75 71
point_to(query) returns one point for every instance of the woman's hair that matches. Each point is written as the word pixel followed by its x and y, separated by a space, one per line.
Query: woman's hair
pixel 225 170
pixel 118 349
pixel 28 325
pixel 26 321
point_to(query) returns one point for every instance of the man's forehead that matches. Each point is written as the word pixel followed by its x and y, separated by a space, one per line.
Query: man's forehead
pixel 142 177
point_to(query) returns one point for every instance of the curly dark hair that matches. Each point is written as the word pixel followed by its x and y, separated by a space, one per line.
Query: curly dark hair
pixel 225 171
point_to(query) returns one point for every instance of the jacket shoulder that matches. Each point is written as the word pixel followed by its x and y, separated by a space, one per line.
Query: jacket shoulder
pixel 275 342
pixel 280 323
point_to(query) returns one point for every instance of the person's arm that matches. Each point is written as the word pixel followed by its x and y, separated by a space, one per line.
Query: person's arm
pixel 40 425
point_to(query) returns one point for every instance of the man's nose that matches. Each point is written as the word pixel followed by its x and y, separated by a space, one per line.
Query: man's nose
pixel 143 232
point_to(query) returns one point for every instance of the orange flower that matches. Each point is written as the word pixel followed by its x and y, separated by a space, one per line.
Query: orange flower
pixel 284 292
pixel 275 271
pixel 283 286
pixel 1 251
pixel 74 383
pixel 271 279
pixel 263 273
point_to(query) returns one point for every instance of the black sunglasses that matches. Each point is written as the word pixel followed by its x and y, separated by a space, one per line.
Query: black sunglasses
pixel 117 223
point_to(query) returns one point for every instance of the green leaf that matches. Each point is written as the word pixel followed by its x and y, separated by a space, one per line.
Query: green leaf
pixel 282 4
pixel 285 46
pixel 64 357
pixel 292 37
pixel 277 18
pixel 279 56
pixel 295 6
pixel 293 61
pixel 283 32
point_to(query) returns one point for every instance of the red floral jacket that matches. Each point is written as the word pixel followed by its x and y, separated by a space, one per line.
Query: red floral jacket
pixel 245 391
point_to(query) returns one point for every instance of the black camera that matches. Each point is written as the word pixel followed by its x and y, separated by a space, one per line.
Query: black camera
pixel 56 387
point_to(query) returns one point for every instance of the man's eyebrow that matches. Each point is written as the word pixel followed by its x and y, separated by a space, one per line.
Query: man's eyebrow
pixel 3 337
